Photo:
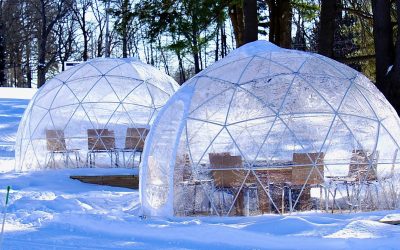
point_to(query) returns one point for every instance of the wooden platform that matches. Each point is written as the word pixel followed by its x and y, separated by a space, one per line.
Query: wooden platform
pixel 391 222
pixel 127 181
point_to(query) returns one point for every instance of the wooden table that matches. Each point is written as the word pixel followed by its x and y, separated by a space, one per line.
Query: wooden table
pixel 272 179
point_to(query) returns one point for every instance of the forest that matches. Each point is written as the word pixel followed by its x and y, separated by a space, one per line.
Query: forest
pixel 183 37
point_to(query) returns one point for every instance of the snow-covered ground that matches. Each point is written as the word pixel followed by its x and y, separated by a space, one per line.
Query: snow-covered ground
pixel 48 210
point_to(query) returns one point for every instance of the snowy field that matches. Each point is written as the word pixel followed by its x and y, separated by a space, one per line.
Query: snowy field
pixel 50 211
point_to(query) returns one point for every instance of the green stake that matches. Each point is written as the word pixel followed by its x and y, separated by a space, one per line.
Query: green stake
pixel 4 216
pixel 8 194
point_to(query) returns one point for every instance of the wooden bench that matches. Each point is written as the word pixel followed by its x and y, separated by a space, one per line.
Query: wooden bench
pixel 127 181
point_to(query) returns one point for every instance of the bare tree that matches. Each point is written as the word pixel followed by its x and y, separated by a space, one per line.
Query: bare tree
pixel 66 35
pixel 17 43
pixel 80 9
pixel 122 12
pixel 99 15
pixel 47 14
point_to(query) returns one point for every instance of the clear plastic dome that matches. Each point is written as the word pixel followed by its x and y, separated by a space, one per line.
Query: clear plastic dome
pixel 91 114
pixel 271 130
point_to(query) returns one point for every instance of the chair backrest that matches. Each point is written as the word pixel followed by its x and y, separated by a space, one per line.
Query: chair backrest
pixel 101 139
pixel 135 138
pixel 225 160
pixel 303 165
pixel 55 140
pixel 363 165
pixel 230 177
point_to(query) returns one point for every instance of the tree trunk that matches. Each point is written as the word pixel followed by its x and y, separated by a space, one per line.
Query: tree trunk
pixel 280 30
pixel 100 44
pixel 182 74
pixel 3 79
pixel 250 21
pixel 42 44
pixel 236 16
pixel 224 49
pixel 383 40
pixel 28 65
pixel 285 18
pixel 41 68
pixel 327 27
pixel 195 46
pixel 85 38
pixel 124 45
pixel 124 27
pixel 390 84
pixel 85 46
pixel 273 22
pixel 216 54
pixel 195 54
pixel 164 58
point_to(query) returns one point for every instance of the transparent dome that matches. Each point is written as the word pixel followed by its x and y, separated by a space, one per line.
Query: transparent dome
pixel 92 115
pixel 271 130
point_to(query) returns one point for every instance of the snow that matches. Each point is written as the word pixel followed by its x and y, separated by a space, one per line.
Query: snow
pixel 12 105
pixel 48 210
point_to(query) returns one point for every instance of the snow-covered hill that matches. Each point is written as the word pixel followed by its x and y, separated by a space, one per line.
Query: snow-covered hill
pixel 13 102
pixel 48 210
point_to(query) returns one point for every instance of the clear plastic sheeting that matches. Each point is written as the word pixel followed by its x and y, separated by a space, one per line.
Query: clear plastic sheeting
pixel 96 114
pixel 271 130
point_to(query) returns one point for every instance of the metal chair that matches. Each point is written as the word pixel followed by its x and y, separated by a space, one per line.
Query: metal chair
pixel 55 144
pixel 101 141
pixel 134 143
pixel 362 173
pixel 192 187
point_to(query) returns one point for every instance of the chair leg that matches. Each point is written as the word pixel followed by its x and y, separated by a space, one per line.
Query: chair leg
pixel 117 154
pixel 133 158
pixel 223 202
pixel 53 161
pixel 123 159
pixel 46 160
pixel 290 200
pixel 319 205
pixel 92 158
pixel 334 199
pixel 283 201
pixel 140 158
pixel 77 160
pixel 327 198
pixel 111 154
pixel 348 196
pixel 116 159
pixel 194 198
pixel 66 156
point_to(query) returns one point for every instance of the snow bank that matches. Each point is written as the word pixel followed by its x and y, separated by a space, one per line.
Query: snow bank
pixel 13 102
pixel 17 93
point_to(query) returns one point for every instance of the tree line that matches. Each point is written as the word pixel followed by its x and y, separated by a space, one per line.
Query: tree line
pixel 183 37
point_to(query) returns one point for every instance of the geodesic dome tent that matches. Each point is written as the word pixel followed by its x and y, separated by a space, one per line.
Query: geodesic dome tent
pixel 271 130
pixel 88 111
